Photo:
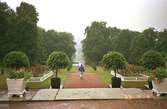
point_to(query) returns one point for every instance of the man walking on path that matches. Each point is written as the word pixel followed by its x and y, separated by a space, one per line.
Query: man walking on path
pixel 81 70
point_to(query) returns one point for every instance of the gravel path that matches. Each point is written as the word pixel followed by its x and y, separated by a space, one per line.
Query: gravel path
pixel 90 80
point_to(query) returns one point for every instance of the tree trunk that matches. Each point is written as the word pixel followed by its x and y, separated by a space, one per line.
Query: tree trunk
pixel 115 71
pixel 56 73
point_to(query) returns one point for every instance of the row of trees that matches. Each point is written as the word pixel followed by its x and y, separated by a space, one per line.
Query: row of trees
pixel 19 32
pixel 101 39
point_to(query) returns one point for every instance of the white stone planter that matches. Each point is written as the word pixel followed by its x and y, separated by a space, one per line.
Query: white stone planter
pixel 160 87
pixel 16 87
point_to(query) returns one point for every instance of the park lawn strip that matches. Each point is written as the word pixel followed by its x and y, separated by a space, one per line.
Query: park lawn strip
pixel 104 75
pixel 46 84
pixel 3 84
pixel 73 69
pixel 134 84
pixel 37 85
pixel 89 69
pixel 63 74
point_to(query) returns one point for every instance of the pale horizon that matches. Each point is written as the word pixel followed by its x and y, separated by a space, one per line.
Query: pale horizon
pixel 74 15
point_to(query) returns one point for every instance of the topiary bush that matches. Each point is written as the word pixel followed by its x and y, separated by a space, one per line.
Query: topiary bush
pixel 16 60
pixel 57 60
pixel 152 60
pixel 115 61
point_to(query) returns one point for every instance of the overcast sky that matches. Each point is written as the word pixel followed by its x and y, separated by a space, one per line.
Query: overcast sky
pixel 74 15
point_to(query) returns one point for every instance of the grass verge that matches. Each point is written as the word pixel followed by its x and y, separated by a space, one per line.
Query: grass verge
pixel 89 69
pixel 104 75
pixel 3 84
pixel 39 85
pixel 134 84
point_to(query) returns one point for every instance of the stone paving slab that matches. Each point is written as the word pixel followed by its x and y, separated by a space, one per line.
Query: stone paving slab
pixel 46 94
pixel 90 93
pixel 83 94
pixel 134 93
pixel 27 97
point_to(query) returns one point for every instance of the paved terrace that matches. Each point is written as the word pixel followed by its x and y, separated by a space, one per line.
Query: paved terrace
pixel 83 94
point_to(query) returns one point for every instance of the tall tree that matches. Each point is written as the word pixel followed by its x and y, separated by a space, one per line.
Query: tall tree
pixel 7 25
pixel 96 43
pixel 139 45
pixel 59 41
pixel 161 42
pixel 122 42
pixel 151 35
pixel 27 33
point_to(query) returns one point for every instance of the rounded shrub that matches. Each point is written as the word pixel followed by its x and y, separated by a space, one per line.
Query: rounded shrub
pixel 16 59
pixel 152 59
pixel 57 60
pixel 114 60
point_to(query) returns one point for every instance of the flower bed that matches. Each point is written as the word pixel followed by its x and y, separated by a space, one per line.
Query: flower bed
pixel 132 81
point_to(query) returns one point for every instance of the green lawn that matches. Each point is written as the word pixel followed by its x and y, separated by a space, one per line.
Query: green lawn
pixel 3 82
pixel 104 75
pixel 134 84
pixel 39 85
pixel 89 69
pixel 46 84
pixel 74 69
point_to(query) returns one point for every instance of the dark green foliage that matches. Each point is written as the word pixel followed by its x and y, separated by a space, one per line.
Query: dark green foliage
pixel 16 59
pixel 7 16
pixel 96 43
pixel 69 66
pixel 57 60
pixel 59 41
pixel 19 75
pixel 139 45
pixel 19 32
pixel 152 60
pixel 27 12
pixel 101 39
pixel 151 35
pixel 16 75
pixel 114 60
pixel 27 75
pixel 161 73
pixel 27 34
pixel 122 42
pixel 161 43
